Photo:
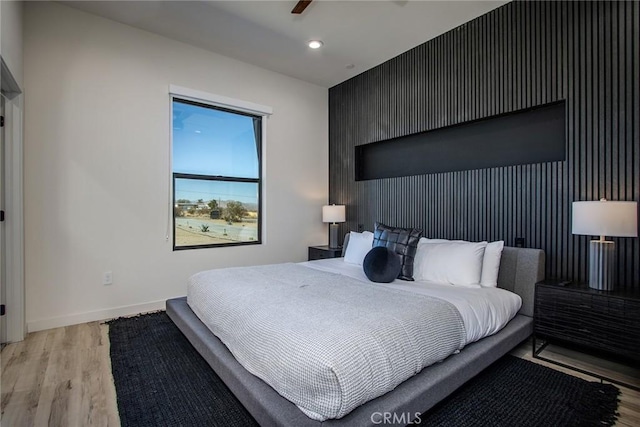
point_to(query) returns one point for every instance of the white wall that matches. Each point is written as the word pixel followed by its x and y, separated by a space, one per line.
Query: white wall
pixel 11 36
pixel 97 164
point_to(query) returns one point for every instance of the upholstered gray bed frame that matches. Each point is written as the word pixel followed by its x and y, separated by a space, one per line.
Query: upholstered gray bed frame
pixel 520 269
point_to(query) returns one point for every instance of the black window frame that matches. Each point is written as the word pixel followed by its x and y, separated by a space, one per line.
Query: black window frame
pixel 177 175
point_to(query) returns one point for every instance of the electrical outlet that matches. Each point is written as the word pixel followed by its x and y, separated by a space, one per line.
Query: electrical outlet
pixel 107 278
pixel 520 242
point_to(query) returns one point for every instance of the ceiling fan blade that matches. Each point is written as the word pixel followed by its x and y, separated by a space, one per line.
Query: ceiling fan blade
pixel 301 6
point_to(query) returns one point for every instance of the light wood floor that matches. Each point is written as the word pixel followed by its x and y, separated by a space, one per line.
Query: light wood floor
pixel 59 377
pixel 62 377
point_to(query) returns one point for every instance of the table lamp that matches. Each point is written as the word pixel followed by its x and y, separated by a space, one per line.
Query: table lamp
pixel 333 214
pixel 604 218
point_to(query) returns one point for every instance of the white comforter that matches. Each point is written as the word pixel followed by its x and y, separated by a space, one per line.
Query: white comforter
pixel 484 310
pixel 326 342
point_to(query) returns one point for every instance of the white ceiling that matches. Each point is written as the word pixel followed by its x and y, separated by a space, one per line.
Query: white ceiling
pixel 266 34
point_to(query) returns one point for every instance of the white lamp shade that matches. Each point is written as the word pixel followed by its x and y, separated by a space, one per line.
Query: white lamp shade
pixel 333 213
pixel 605 218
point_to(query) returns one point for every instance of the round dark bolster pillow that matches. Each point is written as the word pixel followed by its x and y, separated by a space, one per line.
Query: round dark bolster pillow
pixel 382 265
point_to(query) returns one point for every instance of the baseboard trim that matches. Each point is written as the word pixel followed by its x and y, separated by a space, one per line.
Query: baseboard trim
pixel 92 316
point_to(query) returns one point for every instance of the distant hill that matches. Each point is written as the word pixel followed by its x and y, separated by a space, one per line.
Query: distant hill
pixel 223 204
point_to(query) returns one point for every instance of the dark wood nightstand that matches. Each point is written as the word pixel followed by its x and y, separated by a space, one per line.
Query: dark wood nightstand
pixel 323 252
pixel 595 322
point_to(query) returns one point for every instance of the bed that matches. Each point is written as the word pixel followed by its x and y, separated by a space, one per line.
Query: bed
pixel 519 270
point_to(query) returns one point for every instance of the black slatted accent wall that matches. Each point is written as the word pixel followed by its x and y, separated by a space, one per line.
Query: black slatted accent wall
pixel 518 56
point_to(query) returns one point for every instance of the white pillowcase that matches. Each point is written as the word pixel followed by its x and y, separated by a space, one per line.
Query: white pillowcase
pixel 456 263
pixel 358 247
pixel 490 262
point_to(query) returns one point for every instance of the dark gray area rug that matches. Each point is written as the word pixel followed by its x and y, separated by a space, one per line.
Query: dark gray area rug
pixel 161 380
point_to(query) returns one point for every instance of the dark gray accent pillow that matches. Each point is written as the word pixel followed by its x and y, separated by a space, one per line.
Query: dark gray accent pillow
pixel 403 241
pixel 381 265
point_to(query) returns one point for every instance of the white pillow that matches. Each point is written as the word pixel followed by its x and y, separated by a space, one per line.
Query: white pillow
pixel 456 263
pixel 358 247
pixel 424 240
pixel 490 262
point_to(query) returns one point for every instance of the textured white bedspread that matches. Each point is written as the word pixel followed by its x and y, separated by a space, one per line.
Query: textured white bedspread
pixel 484 311
pixel 324 341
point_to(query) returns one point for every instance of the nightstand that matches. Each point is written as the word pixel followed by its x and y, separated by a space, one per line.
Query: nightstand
pixel 597 322
pixel 323 252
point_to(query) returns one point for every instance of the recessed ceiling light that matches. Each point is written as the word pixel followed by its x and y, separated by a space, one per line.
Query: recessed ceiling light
pixel 315 44
pixel 350 66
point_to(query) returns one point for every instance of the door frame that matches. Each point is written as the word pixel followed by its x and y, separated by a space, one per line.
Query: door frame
pixel 12 180
pixel 3 247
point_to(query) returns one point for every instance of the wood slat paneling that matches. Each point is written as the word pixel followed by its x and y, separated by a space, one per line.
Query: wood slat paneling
pixel 518 56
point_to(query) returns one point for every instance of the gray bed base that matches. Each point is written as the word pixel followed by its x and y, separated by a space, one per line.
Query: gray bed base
pixel 520 269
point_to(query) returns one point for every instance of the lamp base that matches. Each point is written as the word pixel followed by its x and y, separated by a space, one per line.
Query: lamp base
pixel 333 236
pixel 601 264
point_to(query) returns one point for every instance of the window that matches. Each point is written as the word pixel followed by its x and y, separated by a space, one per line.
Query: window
pixel 217 175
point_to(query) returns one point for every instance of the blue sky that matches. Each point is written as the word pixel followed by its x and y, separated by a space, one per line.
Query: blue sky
pixel 213 142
